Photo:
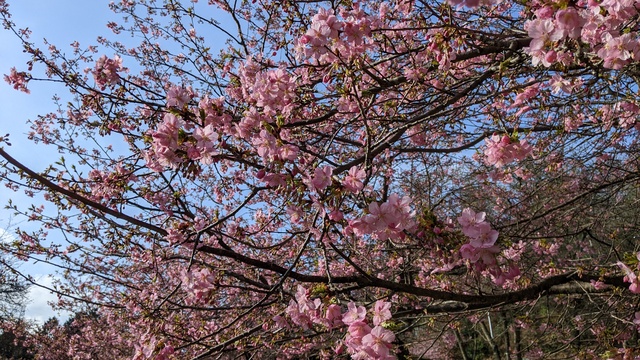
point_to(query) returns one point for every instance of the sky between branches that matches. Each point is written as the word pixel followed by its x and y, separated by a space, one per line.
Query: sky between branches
pixel 61 22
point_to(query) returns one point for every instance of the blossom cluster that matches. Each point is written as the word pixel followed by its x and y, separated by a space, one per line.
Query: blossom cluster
pixel 165 144
pixel 481 250
pixel 598 24
pixel 353 181
pixel 384 221
pixel 622 114
pixel 472 3
pixel 106 71
pixel 329 35
pixel 321 178
pixel 179 96
pixel 361 341
pixel 271 92
pixel 18 79
pixel 108 185
pixel 171 141
pixel 176 140
pixel 274 91
pixel 152 344
pixel 630 276
pixel 270 150
pixel 482 245
pixel 199 284
pixel 501 150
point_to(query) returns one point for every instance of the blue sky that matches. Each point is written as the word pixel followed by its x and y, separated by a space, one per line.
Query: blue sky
pixel 61 22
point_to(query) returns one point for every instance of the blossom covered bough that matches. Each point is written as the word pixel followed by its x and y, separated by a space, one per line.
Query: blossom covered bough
pixel 340 179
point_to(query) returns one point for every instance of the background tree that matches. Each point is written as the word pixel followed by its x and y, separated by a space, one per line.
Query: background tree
pixel 393 178
pixel 13 290
pixel 13 300
pixel 14 340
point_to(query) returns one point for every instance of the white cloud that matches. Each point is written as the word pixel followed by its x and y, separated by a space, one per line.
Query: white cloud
pixel 38 298
pixel 38 308
pixel 6 236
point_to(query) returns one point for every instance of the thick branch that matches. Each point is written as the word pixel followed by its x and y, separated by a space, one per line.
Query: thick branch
pixel 77 197
pixel 559 284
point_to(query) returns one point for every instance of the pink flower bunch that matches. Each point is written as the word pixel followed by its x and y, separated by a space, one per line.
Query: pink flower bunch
pixel 165 144
pixel 600 25
pixel 305 312
pixel 558 84
pixel 620 10
pixel 171 142
pixel 623 114
pixel 547 29
pixel 175 236
pixel 568 23
pixel 617 51
pixel 321 178
pixel 364 342
pixel 198 284
pixel 106 71
pixel 353 180
pixel 388 220
pixel 18 80
pixel 148 346
pixel 324 29
pixel 179 96
pixel 501 150
pixel 630 276
pixel 481 247
pixel 274 91
pixel 329 35
pixel 481 251
pixel 542 31
pixel 271 149
pixel 250 123
pixel 203 149
pixel 356 27
pixel 109 185
pixel 472 3
pixel 325 24
pixel 272 179
pixel 381 312
pixel 247 72
pixel 213 110
pixel 530 92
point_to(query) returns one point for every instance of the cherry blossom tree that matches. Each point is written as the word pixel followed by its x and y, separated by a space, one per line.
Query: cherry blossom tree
pixel 340 179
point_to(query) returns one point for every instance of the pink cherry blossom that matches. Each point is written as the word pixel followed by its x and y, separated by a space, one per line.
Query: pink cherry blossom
pixel 501 150
pixel 354 314
pixel 178 96
pixel 630 277
pixel 470 218
pixel 322 178
pixel 255 185
pixel 205 142
pixel 569 22
pixel 381 312
pixel 333 316
pixel 353 180
pixel 18 79
pixel 106 71
pixel 472 3
pixel 378 342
